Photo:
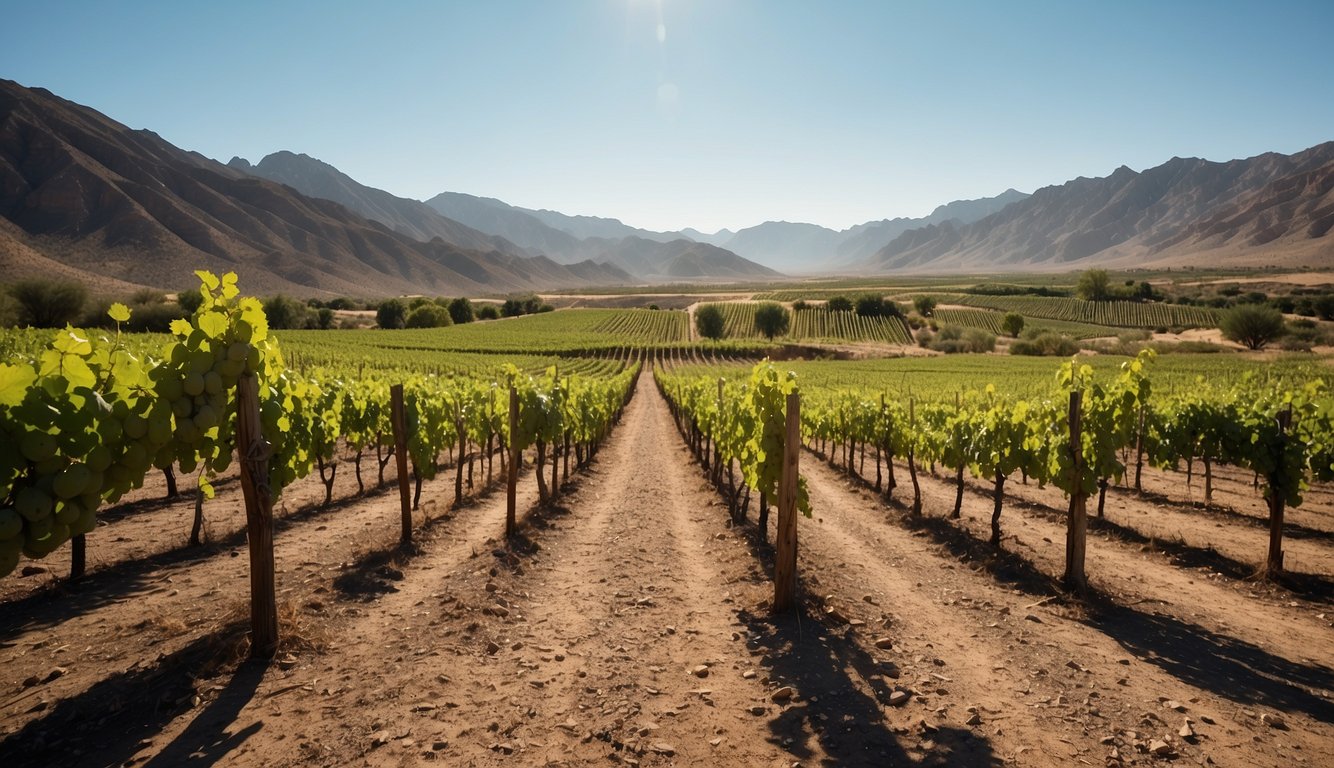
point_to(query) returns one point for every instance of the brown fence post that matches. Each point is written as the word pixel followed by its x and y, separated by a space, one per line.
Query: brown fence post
pixel 401 457
pixel 1077 525
pixel 512 481
pixel 785 565
pixel 254 460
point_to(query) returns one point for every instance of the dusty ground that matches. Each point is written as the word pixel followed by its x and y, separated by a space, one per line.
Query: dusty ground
pixel 629 625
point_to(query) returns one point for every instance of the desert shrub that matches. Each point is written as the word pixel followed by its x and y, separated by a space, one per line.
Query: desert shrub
pixel 47 303
pixel 461 311
pixel 392 313
pixel 428 315
pixel 1045 344
pixel 284 313
pixel 955 340
pixel 1252 325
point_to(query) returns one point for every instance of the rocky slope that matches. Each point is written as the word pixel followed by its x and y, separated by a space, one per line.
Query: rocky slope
pixel 1271 209
pixel 84 196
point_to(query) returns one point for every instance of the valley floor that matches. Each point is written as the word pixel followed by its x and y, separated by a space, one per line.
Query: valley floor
pixel 629 624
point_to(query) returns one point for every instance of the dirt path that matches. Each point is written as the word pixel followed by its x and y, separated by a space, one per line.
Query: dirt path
pixel 1070 678
pixel 629 624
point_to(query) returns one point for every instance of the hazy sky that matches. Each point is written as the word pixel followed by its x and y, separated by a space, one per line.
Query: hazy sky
pixel 703 113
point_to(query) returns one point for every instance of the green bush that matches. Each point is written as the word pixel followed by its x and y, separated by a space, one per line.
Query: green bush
pixel 428 315
pixel 391 314
pixel 1252 325
pixel 47 303
pixel 955 340
pixel 709 322
pixel 1045 344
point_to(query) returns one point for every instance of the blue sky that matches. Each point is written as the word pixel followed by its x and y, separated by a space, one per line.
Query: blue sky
pixel 703 113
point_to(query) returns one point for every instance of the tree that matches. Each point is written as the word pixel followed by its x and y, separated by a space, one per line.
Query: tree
pixel 488 312
pixel 47 303
pixel 709 321
pixel 1094 285
pixel 870 305
pixel 190 300
pixel 839 304
pixel 428 315
pixel 461 311
pixel 284 313
pixel 925 305
pixel 1252 325
pixel 1012 324
pixel 393 313
pixel 771 320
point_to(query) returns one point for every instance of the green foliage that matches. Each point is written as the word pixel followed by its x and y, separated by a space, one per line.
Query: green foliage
pixel 1013 324
pixel 286 313
pixel 488 312
pixel 428 315
pixel 709 321
pixel 925 305
pixel 1094 285
pixel 1045 344
pixel 772 320
pixel 1252 325
pixel 47 303
pixel 952 340
pixel 839 304
pixel 461 311
pixel 392 314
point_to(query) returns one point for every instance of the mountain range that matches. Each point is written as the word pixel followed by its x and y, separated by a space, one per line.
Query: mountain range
pixel 84 197
pixel 1268 210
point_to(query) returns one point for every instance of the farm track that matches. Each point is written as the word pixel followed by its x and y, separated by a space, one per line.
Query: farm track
pixel 146 625
pixel 956 599
pixel 578 644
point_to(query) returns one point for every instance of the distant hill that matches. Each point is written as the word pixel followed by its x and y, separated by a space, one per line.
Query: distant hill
pixel 84 196
pixel 584 227
pixel 1271 209
pixel 678 259
pixel 864 240
pixel 718 238
pixel 812 248
pixel 514 224
pixel 413 218
pixel 647 258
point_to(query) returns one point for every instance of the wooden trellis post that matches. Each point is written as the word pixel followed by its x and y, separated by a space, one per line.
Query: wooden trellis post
pixel 254 460
pixel 785 538
pixel 1077 525
pixel 401 457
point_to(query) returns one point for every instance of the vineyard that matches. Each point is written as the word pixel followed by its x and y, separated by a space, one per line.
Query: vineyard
pixel 814 325
pixel 1123 314
pixel 990 321
pixel 578 537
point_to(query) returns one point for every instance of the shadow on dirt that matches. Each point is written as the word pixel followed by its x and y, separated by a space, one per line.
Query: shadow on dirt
pixel 1226 666
pixel 48 607
pixel 109 722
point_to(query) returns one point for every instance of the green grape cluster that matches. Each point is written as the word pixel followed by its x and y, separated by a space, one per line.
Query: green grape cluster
pixel 89 417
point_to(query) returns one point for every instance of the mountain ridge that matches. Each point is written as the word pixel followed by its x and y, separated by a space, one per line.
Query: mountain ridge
pixel 1273 207
pixel 116 206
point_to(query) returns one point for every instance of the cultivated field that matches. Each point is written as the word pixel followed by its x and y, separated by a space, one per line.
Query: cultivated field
pixel 578 566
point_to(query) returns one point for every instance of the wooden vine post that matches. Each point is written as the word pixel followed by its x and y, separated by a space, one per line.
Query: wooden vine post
pixel 1277 492
pixel 254 456
pixel 785 537
pixel 401 457
pixel 1077 524
pixel 512 477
